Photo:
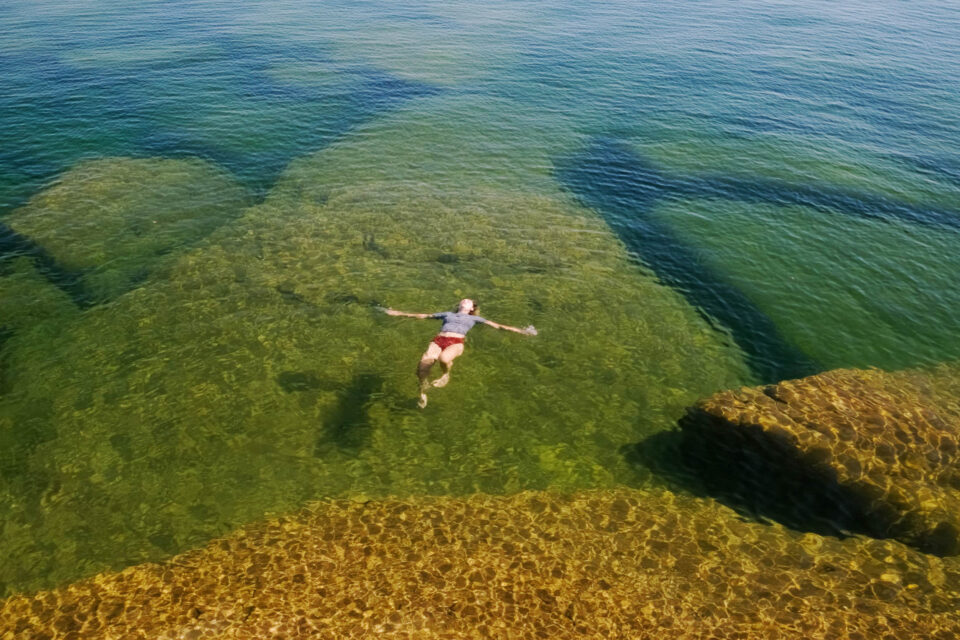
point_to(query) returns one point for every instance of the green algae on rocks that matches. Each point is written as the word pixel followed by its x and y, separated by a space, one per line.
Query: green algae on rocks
pixel 255 375
pixel 28 301
pixel 440 144
pixel 179 394
pixel 114 220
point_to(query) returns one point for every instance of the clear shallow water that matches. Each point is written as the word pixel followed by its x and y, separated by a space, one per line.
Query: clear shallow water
pixel 202 201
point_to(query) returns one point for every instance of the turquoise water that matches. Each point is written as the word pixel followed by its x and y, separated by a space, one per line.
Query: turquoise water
pixel 202 201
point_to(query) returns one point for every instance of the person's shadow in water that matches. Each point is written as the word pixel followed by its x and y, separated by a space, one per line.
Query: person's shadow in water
pixel 346 427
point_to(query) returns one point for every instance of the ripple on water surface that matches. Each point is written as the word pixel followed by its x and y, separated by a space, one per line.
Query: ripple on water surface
pixel 165 383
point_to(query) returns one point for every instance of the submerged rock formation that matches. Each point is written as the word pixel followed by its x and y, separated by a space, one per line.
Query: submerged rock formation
pixel 882 447
pixel 109 222
pixel 598 564
pixel 249 373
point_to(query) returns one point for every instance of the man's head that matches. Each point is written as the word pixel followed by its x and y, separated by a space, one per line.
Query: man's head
pixel 468 306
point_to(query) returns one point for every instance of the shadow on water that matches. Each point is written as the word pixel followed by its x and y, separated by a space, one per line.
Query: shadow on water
pixel 748 480
pixel 5 334
pixel 624 188
pixel 298 118
pixel 347 427
pixel 764 479
pixel 14 245
pixel 294 381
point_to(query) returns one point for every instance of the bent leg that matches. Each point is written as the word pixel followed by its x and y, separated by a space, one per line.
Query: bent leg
pixel 446 363
pixel 423 371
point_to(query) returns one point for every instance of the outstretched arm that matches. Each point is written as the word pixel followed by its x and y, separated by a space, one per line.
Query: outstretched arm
pixel 394 312
pixel 529 331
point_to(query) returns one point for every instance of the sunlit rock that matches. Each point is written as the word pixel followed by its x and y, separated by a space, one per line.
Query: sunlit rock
pixel 882 449
pixel 604 564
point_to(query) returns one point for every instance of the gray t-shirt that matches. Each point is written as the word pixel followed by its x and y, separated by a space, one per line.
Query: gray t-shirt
pixel 456 322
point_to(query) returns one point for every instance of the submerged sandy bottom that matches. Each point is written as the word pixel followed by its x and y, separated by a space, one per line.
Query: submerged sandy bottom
pixel 605 564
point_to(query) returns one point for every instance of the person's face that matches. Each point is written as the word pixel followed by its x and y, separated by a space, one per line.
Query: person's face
pixel 466 305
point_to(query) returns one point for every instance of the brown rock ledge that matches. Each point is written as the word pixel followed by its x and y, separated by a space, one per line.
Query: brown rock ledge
pixel 601 564
pixel 884 447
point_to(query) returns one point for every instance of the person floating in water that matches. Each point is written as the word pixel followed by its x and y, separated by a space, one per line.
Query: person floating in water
pixel 448 344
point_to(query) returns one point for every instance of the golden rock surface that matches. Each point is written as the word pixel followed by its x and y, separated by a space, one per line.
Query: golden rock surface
pixel 599 564
pixel 889 442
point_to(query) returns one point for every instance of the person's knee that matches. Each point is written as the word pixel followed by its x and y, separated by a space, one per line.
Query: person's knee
pixel 427 362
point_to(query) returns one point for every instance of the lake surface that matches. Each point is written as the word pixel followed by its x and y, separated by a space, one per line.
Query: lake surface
pixel 202 203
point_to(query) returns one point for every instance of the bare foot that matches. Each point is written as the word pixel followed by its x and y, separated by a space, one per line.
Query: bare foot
pixel 422 402
pixel 441 381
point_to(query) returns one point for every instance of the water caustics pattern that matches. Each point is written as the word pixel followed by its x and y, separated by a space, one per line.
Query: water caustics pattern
pixel 201 203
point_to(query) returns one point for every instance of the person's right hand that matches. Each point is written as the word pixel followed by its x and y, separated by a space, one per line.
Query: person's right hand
pixel 391 312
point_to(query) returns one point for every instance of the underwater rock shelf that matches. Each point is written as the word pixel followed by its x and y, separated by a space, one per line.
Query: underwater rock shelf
pixel 108 223
pixel 602 564
pixel 882 447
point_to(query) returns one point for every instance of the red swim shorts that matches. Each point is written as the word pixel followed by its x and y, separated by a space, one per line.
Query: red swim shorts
pixel 445 341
